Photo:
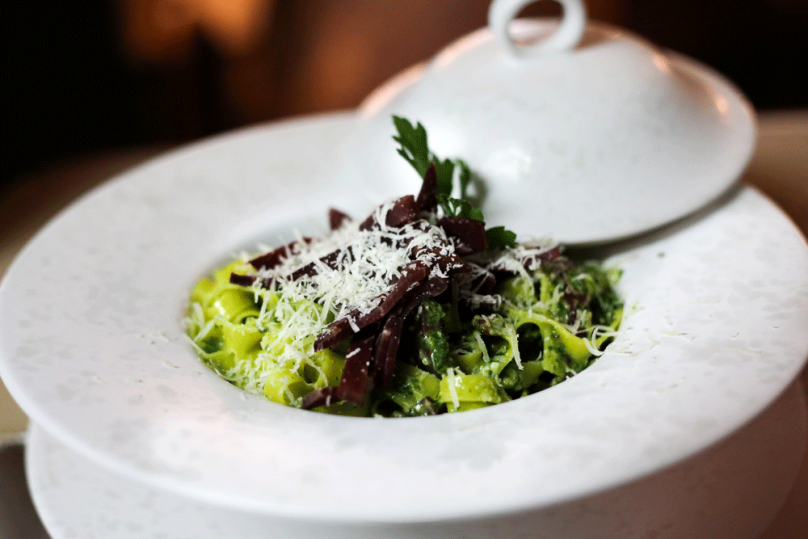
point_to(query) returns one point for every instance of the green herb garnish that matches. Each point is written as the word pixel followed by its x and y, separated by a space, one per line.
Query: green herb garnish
pixel 414 147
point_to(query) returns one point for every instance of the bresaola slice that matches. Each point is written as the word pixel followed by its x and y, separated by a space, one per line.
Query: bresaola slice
pixel 337 218
pixel 404 211
pixel 372 360
pixel 428 196
pixel 273 258
pixel 356 381
pixel 470 231
pixel 319 397
pixel 389 338
pixel 242 280
pixel 311 269
pixel 308 270
pixel 536 260
pixel 341 329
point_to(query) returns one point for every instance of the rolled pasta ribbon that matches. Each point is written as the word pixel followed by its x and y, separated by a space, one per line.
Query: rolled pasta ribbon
pixel 243 339
pixel 288 383
pixel 286 386
pixel 469 354
pixel 558 342
pixel 476 356
pixel 516 379
pixel 324 368
pixel 519 291
pixel 412 386
pixel 466 406
pixel 461 390
pixel 233 305
pixel 221 361
pixel 618 318
pixel 219 298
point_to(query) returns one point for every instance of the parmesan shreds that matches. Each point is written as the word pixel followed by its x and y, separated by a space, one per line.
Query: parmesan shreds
pixel 365 265
pixel 592 348
pixel 481 344
pixel 205 330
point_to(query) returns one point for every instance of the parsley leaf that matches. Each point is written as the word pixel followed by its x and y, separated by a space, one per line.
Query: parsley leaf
pixel 464 177
pixel 444 170
pixel 460 208
pixel 413 144
pixel 500 237
pixel 415 149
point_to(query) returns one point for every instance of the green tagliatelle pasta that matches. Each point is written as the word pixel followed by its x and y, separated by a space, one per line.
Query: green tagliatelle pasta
pixel 238 333
pixel 531 342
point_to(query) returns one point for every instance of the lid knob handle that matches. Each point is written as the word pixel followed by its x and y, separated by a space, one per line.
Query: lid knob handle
pixel 566 36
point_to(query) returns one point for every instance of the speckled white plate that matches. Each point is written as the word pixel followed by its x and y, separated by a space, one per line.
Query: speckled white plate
pixel 92 348
pixel 726 491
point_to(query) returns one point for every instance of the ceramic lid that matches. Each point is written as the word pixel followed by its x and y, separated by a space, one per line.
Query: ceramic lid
pixel 580 131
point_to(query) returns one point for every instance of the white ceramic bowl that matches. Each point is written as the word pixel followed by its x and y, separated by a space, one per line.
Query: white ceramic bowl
pixel 92 348
pixel 726 491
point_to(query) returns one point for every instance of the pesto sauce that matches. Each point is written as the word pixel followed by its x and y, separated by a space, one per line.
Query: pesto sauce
pixel 535 340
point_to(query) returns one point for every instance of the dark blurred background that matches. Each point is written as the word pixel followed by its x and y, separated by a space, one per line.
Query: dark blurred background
pixel 82 77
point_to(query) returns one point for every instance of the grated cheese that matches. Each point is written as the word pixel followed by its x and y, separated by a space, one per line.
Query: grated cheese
pixel 366 266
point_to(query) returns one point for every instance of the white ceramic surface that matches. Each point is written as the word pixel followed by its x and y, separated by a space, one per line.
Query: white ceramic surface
pixel 566 36
pixel 92 349
pixel 726 492
pixel 588 145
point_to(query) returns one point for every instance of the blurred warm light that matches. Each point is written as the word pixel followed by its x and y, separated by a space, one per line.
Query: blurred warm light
pixel 236 26
pixel 661 61
pixel 721 104
pixel 274 57
pixel 164 30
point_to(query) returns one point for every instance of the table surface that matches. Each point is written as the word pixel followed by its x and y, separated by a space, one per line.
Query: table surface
pixel 779 168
